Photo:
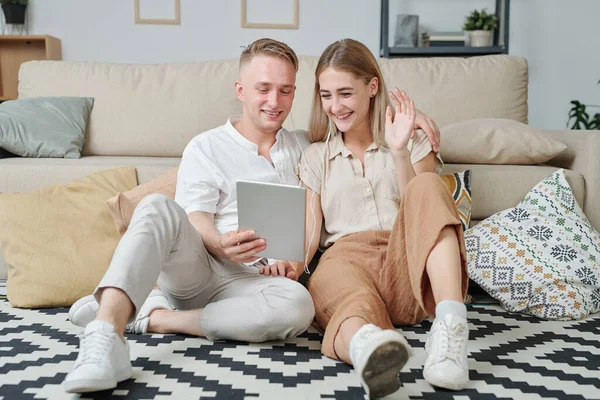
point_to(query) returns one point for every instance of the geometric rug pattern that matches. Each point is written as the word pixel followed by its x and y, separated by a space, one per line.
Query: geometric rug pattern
pixel 512 356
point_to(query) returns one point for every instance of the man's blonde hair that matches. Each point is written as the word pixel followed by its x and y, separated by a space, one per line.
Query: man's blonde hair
pixel 269 48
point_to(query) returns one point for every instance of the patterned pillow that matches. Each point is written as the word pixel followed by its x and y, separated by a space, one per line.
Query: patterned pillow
pixel 540 257
pixel 459 184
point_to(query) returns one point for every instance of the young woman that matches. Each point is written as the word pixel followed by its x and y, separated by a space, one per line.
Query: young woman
pixel 394 248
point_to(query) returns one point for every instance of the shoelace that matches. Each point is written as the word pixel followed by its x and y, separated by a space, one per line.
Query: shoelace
pixel 93 347
pixel 135 326
pixel 451 341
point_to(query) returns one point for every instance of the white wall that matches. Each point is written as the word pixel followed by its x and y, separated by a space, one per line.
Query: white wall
pixel 559 38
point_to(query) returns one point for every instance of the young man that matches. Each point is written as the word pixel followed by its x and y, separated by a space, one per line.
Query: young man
pixel 191 246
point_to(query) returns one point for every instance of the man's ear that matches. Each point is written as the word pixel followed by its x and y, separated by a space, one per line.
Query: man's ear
pixel 239 90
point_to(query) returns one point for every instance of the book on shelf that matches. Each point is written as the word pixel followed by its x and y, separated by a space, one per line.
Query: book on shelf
pixel 443 39
pixel 446 43
pixel 445 36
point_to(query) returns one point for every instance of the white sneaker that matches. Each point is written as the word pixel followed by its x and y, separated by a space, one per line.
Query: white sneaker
pixel 446 365
pixel 102 362
pixel 156 300
pixel 84 311
pixel 378 357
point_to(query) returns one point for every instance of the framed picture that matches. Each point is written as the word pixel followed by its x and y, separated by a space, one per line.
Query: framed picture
pixel 157 12
pixel 275 14
pixel 407 31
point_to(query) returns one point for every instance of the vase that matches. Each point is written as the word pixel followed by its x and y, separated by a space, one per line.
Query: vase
pixel 14 13
pixel 480 38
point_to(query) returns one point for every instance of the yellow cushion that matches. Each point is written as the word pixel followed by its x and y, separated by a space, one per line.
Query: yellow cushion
pixel 58 241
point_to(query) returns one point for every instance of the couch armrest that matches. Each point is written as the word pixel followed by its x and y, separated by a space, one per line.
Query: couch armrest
pixel 582 155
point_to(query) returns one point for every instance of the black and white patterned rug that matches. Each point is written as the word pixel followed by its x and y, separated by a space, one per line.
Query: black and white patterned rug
pixel 511 357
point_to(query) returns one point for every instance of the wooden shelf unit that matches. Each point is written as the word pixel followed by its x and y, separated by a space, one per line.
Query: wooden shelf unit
pixel 15 50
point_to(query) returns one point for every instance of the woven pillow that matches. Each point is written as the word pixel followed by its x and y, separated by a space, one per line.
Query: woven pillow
pixel 540 257
pixel 459 185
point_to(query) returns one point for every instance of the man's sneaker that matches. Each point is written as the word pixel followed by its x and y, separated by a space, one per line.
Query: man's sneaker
pixel 446 365
pixel 378 356
pixel 102 362
pixel 84 311
pixel 156 300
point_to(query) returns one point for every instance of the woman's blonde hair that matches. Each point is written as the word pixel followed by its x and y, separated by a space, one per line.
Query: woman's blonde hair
pixel 269 48
pixel 350 56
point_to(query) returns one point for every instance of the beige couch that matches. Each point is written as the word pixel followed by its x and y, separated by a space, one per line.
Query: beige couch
pixel 144 115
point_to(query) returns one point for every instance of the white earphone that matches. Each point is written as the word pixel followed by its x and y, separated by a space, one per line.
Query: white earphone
pixel 312 200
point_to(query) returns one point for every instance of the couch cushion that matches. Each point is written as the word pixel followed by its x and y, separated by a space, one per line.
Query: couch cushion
pixel 452 89
pixel 155 110
pixel 28 174
pixel 140 110
pixel 497 187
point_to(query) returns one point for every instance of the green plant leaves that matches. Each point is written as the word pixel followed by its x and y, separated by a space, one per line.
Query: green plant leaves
pixel 480 20
pixel 581 118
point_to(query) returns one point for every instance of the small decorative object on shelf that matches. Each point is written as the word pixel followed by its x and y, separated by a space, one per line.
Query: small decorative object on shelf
pixel 443 39
pixel 407 30
pixel 480 26
pixel 15 20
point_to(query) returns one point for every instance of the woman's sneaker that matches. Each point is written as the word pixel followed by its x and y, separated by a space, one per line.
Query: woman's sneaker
pixel 84 311
pixel 378 357
pixel 102 362
pixel 446 365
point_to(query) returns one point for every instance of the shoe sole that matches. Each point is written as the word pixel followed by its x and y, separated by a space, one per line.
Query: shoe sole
pixel 444 384
pixel 95 385
pixel 88 385
pixel 381 370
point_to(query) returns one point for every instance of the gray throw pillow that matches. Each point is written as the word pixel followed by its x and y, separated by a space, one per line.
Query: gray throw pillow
pixel 45 126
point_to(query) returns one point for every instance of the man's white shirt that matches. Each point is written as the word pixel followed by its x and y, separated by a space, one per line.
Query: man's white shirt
pixel 215 160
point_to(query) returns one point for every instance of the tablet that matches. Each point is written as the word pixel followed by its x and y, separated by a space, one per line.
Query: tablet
pixel 277 213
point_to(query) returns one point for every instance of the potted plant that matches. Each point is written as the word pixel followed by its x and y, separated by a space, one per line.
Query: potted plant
pixel 14 11
pixel 480 26
pixel 580 117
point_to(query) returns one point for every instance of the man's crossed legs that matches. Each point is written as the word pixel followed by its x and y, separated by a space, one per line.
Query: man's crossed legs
pixel 214 298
